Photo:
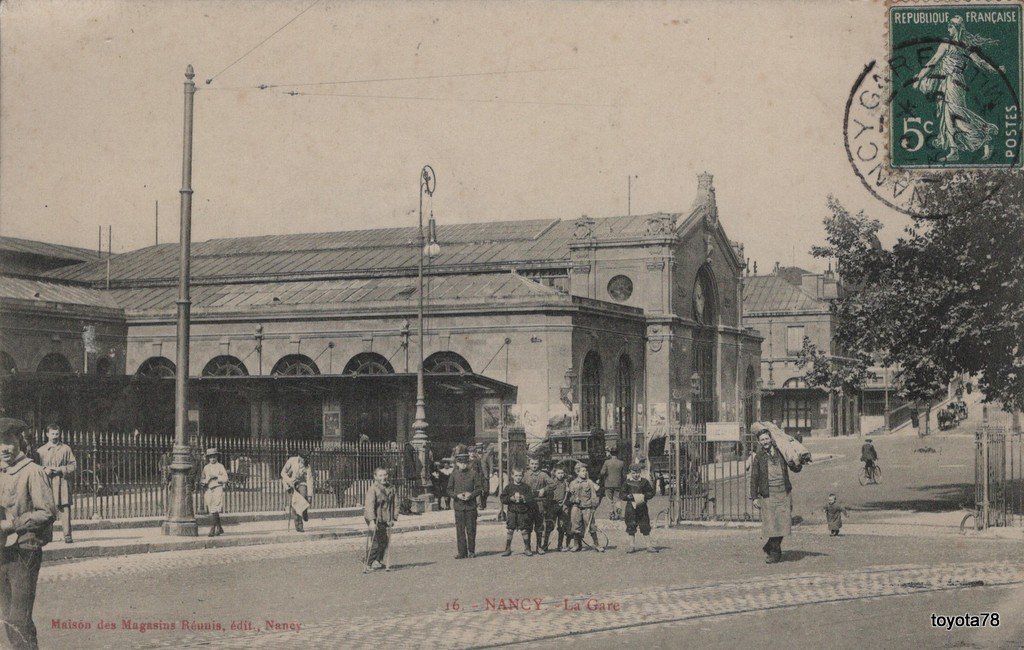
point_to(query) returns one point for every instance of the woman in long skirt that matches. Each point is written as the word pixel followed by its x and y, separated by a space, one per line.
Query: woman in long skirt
pixel 213 480
pixel 770 489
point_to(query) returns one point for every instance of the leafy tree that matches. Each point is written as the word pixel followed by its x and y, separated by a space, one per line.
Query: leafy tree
pixel 947 298
pixel 836 374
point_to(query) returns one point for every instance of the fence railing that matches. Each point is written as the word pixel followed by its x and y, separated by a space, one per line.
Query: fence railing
pixel 124 475
pixel 999 476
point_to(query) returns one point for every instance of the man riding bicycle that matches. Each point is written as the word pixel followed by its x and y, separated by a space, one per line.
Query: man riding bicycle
pixel 868 456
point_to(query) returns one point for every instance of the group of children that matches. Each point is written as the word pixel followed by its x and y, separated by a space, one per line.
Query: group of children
pixel 540 504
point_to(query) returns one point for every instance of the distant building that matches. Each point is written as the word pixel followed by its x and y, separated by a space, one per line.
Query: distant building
pixel 628 323
pixel 785 307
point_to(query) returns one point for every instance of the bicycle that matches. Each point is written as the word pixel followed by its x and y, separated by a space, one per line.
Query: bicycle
pixel 870 475
pixel 974 519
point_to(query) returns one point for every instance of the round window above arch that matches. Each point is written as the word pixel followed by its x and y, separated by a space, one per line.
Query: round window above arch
pixel 620 288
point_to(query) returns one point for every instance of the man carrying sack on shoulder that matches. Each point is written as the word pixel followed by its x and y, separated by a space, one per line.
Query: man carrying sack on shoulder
pixel 27 526
pixel 298 479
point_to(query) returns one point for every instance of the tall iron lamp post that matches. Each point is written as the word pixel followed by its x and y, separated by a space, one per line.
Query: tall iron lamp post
pixel 428 248
pixel 181 520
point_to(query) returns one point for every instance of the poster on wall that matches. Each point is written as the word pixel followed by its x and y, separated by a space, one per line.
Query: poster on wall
pixel 659 416
pixel 559 418
pixel 332 425
pixel 490 417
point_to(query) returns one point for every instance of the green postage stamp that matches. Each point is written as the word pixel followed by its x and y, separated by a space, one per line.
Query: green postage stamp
pixel 956 80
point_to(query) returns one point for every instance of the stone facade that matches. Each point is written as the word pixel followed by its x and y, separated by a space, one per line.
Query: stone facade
pixel 620 323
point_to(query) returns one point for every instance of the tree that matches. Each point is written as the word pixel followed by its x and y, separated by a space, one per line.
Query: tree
pixel 947 298
pixel 835 374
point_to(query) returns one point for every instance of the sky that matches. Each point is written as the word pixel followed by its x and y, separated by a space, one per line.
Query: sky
pixel 574 98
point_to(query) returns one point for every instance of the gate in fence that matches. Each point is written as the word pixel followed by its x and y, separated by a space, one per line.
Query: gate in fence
pixel 998 477
pixel 125 475
pixel 715 478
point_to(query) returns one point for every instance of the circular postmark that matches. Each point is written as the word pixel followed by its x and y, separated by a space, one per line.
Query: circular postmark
pixel 930 137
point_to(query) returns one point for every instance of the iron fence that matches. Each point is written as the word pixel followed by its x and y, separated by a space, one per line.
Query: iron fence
pixel 123 475
pixel 714 476
pixel 999 477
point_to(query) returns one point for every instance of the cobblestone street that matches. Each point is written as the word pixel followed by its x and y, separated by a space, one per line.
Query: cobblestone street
pixel 317 589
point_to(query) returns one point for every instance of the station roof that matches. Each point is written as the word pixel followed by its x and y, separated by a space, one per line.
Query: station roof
pixel 773 293
pixel 492 288
pixel 45 249
pixel 24 290
pixel 478 246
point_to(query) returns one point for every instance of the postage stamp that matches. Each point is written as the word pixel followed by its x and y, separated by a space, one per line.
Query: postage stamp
pixel 955 75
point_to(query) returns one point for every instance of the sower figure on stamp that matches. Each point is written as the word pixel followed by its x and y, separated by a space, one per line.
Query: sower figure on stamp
pixel 583 493
pixel 298 478
pixel 518 499
pixel 541 484
pixel 213 479
pixel 380 515
pixel 464 488
pixel 28 515
pixel 59 463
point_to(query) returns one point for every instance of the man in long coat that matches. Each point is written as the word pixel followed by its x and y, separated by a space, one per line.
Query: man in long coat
pixel 59 463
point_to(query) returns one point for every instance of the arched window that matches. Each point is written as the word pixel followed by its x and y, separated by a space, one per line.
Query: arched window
pixel 54 362
pixel 446 362
pixel 225 366
pixel 7 364
pixel 795 382
pixel 624 398
pixel 368 363
pixel 705 298
pixel 295 365
pixel 156 367
pixel 590 392
pixel 750 401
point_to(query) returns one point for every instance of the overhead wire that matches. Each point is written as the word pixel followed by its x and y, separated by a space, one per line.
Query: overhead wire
pixel 258 45
pixel 456 75
pixel 295 93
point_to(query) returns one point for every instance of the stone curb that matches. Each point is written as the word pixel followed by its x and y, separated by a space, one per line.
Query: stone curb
pixel 135 548
pixel 227 518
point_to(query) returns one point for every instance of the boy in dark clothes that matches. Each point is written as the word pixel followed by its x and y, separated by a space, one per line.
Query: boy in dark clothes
pixel 834 515
pixel 518 499
pixel 636 493
pixel 560 507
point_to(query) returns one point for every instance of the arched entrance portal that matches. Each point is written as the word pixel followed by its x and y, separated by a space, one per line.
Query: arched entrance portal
pixel 225 411
pixel 297 413
pixel 590 392
pixel 368 409
pixel 450 411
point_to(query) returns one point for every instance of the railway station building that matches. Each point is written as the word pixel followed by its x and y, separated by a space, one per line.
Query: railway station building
pixel 623 323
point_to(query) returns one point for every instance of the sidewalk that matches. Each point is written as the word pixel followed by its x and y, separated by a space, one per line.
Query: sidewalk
pixel 150 539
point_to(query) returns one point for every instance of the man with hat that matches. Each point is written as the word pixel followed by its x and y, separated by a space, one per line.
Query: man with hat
pixel 298 479
pixel 59 463
pixel 27 526
pixel 541 511
pixel 464 488
pixel 611 480
pixel 868 455
pixel 637 492
pixel 212 480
